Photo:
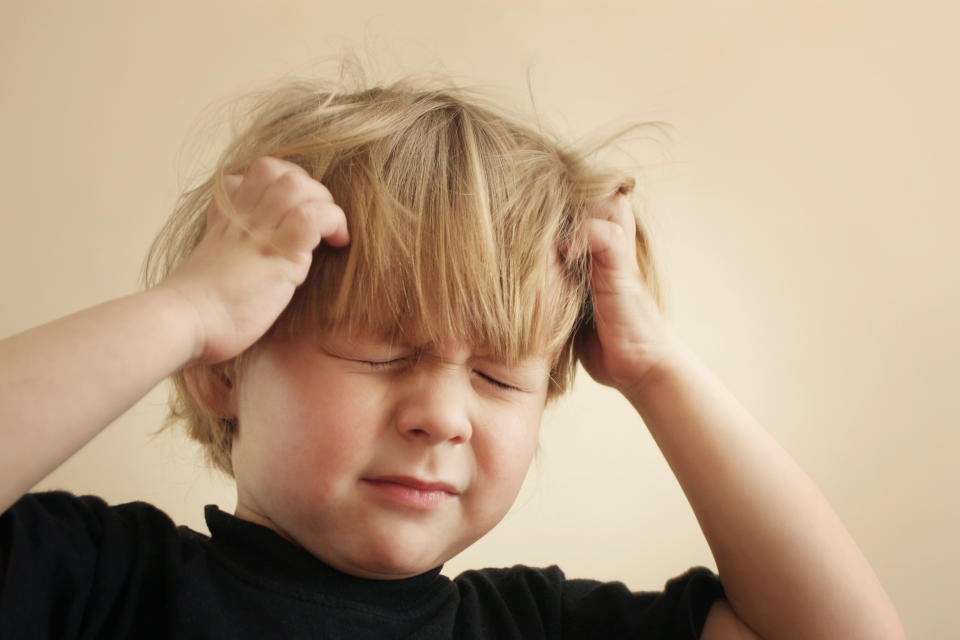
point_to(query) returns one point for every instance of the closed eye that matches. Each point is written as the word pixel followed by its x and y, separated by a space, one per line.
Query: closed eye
pixel 496 383
pixel 384 364
pixel 398 364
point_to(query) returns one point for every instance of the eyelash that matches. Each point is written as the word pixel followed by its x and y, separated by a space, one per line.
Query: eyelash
pixel 389 364
pixel 385 364
pixel 497 383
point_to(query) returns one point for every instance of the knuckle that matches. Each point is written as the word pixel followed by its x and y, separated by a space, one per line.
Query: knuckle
pixel 323 192
pixel 303 220
pixel 265 169
pixel 263 163
pixel 290 181
pixel 272 168
pixel 301 214
pixel 231 185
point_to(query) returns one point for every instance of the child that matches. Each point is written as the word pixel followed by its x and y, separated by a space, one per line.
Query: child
pixel 365 310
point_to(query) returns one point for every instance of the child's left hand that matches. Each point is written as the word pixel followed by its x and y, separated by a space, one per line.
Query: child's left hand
pixel 770 529
pixel 630 340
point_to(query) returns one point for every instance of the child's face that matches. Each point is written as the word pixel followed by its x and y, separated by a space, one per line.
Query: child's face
pixel 383 470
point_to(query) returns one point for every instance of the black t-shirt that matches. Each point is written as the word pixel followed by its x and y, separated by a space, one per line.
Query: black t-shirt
pixel 78 568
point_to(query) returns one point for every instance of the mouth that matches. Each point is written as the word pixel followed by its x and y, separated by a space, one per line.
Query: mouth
pixel 410 492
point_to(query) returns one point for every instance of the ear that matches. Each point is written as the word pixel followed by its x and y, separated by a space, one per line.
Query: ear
pixel 214 389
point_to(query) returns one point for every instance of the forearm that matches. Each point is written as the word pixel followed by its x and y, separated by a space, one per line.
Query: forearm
pixel 63 382
pixel 788 565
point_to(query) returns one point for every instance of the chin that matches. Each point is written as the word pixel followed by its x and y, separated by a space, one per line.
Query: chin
pixel 394 560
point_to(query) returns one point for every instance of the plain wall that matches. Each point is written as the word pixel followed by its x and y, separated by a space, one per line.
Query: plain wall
pixel 804 210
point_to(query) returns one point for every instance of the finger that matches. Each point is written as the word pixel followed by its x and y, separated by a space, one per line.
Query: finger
pixel 261 174
pixel 616 209
pixel 288 192
pixel 333 228
pixel 231 183
pixel 609 245
pixel 304 226
pixel 332 223
pixel 214 216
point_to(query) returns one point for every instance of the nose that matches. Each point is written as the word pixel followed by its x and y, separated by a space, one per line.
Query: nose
pixel 435 409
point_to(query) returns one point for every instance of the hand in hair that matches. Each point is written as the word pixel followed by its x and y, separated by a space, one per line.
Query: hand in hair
pixel 788 566
pixel 243 273
pixel 62 382
pixel 630 338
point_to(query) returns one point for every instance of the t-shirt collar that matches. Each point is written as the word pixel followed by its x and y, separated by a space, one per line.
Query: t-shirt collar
pixel 268 557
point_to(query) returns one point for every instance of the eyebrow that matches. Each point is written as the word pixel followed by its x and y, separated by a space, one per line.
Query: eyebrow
pixel 526 364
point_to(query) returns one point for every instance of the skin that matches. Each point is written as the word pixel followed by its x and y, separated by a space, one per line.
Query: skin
pixel 320 419
pixel 788 566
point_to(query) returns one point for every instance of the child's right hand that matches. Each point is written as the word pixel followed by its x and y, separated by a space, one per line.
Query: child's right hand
pixel 61 383
pixel 243 273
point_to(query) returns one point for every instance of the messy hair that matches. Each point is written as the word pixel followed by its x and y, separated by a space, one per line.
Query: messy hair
pixel 455 211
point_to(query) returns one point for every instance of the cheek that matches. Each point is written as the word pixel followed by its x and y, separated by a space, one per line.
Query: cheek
pixel 329 431
pixel 503 455
pixel 305 427
pixel 507 450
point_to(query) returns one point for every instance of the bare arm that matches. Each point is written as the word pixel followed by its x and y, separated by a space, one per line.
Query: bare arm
pixel 789 567
pixel 62 383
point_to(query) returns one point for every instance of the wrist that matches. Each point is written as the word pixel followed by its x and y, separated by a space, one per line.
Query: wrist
pixel 181 317
pixel 671 361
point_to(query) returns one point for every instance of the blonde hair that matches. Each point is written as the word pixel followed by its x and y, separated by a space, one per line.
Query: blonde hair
pixel 455 211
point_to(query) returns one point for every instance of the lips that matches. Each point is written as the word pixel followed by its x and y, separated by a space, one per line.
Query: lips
pixel 410 492
pixel 415 483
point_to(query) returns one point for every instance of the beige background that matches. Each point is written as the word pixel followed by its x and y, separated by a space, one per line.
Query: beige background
pixel 805 212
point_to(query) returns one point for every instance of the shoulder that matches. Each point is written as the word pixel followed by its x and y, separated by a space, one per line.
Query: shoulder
pixel 76 561
pixel 515 577
pixel 513 602
pixel 60 525
pixel 678 610
pixel 592 608
pixel 67 508
pixel 723 624
pixel 57 519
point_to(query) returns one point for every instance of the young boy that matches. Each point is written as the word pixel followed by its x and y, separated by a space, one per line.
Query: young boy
pixel 365 310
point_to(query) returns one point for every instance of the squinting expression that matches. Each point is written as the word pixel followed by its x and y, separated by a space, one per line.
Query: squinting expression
pixel 382 460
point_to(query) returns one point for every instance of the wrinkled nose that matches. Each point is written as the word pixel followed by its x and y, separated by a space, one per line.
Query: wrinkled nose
pixel 435 410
